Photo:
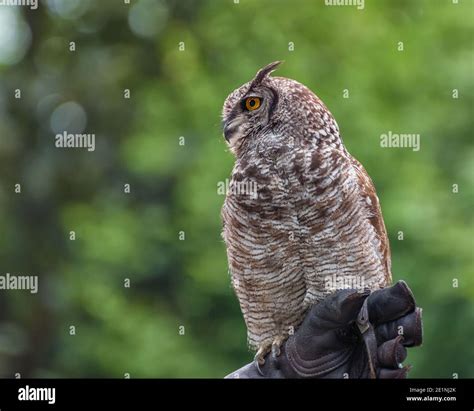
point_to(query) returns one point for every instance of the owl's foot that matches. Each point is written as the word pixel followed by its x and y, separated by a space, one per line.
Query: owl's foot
pixel 274 348
pixel 261 354
pixel 277 342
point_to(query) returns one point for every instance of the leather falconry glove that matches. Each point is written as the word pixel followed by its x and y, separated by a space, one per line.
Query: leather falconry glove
pixel 349 334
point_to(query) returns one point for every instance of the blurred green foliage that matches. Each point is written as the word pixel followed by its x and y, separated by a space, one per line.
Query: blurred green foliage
pixel 184 283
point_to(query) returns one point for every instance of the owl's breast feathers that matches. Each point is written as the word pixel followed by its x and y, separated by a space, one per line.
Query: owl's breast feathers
pixel 293 218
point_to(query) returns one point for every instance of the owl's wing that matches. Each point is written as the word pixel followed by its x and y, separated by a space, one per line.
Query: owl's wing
pixel 341 216
pixel 375 217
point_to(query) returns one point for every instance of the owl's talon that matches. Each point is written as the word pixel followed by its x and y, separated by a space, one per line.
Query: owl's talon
pixel 260 357
pixel 276 350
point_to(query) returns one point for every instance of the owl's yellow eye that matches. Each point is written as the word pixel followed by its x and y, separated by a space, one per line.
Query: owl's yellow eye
pixel 252 103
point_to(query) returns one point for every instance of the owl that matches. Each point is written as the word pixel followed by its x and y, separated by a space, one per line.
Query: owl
pixel 301 217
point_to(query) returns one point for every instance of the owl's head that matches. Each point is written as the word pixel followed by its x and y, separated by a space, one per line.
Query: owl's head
pixel 271 108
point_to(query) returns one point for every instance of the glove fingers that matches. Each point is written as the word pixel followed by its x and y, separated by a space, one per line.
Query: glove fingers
pixel 390 303
pixel 338 309
pixel 409 326
pixel 392 353
pixel 399 373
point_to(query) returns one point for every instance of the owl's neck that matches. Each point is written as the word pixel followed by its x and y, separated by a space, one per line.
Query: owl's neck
pixel 278 145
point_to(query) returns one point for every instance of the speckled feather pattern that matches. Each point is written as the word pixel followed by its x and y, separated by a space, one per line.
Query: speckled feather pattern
pixel 315 212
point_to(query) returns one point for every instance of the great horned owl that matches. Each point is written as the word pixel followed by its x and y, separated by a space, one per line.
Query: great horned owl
pixel 300 215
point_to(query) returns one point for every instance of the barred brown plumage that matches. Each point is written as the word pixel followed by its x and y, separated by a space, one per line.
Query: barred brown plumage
pixel 315 212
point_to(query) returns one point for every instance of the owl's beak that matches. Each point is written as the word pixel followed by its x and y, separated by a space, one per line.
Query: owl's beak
pixel 229 130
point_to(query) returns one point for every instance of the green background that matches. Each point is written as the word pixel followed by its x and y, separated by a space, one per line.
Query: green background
pixel 176 282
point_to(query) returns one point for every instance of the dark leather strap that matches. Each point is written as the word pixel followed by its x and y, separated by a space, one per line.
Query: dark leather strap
pixel 368 335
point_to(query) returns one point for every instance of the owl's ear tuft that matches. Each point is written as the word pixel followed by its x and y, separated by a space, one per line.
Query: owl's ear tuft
pixel 265 72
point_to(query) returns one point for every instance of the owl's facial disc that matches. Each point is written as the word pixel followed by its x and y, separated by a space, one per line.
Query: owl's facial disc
pixel 248 109
pixel 244 116
pixel 250 112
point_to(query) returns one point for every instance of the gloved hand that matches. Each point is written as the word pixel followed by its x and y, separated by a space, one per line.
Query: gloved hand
pixel 349 334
